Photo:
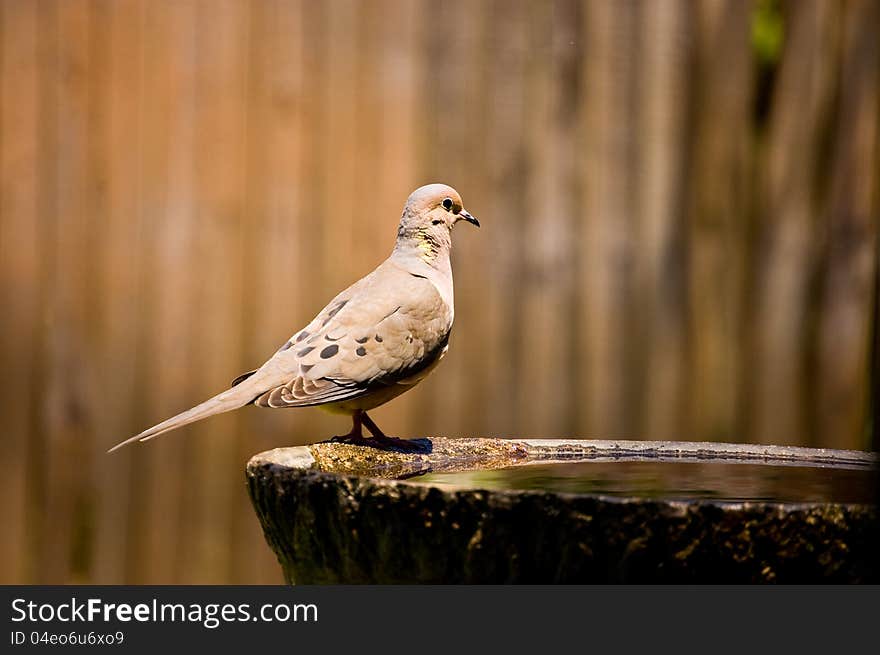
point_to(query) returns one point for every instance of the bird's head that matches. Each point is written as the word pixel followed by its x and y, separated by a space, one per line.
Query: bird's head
pixel 428 217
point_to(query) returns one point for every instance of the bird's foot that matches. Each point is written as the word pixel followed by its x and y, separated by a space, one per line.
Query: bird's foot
pixel 382 443
pixel 379 440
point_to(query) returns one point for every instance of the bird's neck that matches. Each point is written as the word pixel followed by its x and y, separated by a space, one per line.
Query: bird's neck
pixel 428 258
pixel 429 243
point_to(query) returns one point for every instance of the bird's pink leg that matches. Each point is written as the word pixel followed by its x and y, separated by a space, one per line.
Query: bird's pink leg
pixel 356 436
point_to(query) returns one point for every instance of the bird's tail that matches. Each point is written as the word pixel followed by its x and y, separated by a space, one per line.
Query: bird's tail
pixel 222 402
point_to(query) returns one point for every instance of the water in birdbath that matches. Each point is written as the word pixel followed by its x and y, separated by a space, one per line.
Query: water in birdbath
pixel 684 480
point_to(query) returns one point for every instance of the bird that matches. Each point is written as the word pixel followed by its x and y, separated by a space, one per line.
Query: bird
pixel 374 341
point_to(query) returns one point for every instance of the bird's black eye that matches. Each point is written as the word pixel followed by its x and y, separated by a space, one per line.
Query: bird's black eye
pixel 447 203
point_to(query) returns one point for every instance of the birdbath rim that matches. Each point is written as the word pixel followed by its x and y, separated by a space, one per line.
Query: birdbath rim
pixel 466 454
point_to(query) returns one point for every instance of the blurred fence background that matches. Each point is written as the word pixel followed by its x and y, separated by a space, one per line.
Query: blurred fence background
pixel 679 204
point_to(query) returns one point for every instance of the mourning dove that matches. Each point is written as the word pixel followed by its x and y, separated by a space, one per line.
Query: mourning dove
pixel 375 340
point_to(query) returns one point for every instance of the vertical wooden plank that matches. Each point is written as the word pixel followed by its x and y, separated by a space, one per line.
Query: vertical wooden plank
pixel 371 230
pixel 561 200
pixel 116 43
pixel 606 240
pixel 502 216
pixel 47 217
pixel 787 216
pixel 219 183
pixel 20 257
pixel 398 112
pixel 47 176
pixel 536 401
pixel 339 138
pixel 162 498
pixel 658 302
pixel 67 378
pixel 717 209
pixel 851 213
pixel 545 395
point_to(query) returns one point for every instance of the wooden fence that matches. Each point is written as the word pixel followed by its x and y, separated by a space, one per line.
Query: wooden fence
pixel 679 204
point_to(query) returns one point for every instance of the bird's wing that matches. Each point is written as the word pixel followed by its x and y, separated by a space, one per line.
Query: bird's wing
pixel 383 329
pixel 380 331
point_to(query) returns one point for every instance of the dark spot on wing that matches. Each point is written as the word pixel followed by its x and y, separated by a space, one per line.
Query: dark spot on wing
pixel 362 339
pixel 417 275
pixel 329 338
pixel 305 368
pixel 333 312
pixel 305 351
pixel 285 346
pixel 329 351
pixel 361 351
pixel 241 378
pixel 302 335
pixel 379 339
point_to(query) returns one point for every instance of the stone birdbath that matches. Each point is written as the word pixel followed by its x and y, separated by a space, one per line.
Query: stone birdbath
pixel 568 511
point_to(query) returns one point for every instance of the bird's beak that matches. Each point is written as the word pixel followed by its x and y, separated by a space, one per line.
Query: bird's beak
pixel 470 219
